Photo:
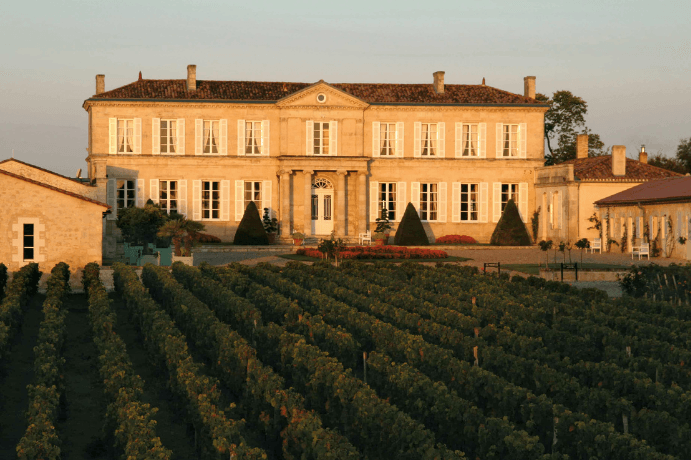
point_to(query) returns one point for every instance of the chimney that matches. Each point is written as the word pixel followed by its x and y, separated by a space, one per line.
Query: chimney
pixel 439 82
pixel 643 155
pixel 100 84
pixel 619 160
pixel 191 77
pixel 582 146
pixel 529 87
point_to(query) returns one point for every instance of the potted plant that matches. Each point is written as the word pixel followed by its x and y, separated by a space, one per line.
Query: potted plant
pixel 383 225
pixel 379 239
pixel 298 238
pixel 184 234
pixel 270 225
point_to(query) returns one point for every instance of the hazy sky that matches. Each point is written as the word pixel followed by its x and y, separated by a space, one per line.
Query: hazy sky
pixel 630 60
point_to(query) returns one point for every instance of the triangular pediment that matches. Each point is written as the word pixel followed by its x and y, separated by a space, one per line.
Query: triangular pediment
pixel 321 94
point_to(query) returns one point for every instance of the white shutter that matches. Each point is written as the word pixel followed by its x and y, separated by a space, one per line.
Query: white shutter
pixel 459 140
pixel 239 199
pixel 266 197
pixel 140 193
pixel 442 202
pixel 196 200
pixel 678 229
pixel 333 138
pixel 417 132
pixel 496 202
pixel 180 136
pixel 138 136
pixel 153 190
pixel 375 138
pixel 484 202
pixel 456 202
pixel 415 195
pixel 523 199
pixel 309 139
pixel 241 137
pixel 182 197
pixel 110 199
pixel 223 135
pixel 373 200
pixel 482 139
pixel 639 227
pixel 113 136
pixel 399 139
pixel 155 136
pixel 401 201
pixel 441 139
pixel 225 200
pixel 522 140
pixel 198 134
pixel 499 142
pixel 265 138
pixel 561 209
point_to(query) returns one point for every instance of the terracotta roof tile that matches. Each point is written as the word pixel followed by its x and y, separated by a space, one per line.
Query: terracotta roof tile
pixel 372 93
pixel 600 168
pixel 670 189
pixel 56 189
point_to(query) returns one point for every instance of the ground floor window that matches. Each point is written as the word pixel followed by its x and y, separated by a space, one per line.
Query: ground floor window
pixel 126 193
pixel 429 202
pixel 469 202
pixel 253 192
pixel 168 195
pixel 387 199
pixel 211 200
pixel 509 192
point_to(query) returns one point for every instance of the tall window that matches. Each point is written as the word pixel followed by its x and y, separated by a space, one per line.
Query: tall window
pixel 470 141
pixel 469 202
pixel 253 192
pixel 387 199
pixel 508 192
pixel 321 137
pixel 125 136
pixel 428 137
pixel 168 136
pixel 387 139
pixel 211 136
pixel 168 195
pixel 28 242
pixel 510 141
pixel 253 138
pixel 211 200
pixel 126 193
pixel 429 197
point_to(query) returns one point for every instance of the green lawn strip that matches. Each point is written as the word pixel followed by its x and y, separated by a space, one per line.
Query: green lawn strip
pixel 534 269
pixel 301 258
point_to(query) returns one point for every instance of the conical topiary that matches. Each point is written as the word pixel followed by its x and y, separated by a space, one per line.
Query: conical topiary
pixel 251 230
pixel 410 231
pixel 510 230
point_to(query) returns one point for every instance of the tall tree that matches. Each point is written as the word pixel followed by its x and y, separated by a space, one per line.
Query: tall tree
pixel 671 164
pixel 684 153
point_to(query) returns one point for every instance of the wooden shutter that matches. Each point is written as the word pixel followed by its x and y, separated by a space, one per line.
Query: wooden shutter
pixel 309 139
pixel 223 135
pixel 484 202
pixel 496 202
pixel 523 199
pixel 180 136
pixel 182 197
pixel 399 139
pixel 459 140
pixel 198 137
pixel 266 197
pixel 140 193
pixel 110 199
pixel 225 200
pixel 196 200
pixel 678 229
pixel 500 153
pixel 376 126
pixel 522 140
pixel 333 138
pixel 138 136
pixel 113 136
pixel 442 202
pixel 417 132
pixel 265 138
pixel 482 139
pixel 239 199
pixel 456 202
pixel 241 138
pixel 373 200
pixel 639 227
pixel 415 195
pixel 651 230
pixel 153 190
pixel 561 209
pixel 401 201
pixel 441 139
pixel 155 136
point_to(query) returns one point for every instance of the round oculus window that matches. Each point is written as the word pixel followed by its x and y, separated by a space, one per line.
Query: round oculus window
pixel 321 98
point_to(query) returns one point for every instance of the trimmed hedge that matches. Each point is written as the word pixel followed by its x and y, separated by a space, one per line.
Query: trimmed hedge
pixel 410 231
pixel 510 230
pixel 251 230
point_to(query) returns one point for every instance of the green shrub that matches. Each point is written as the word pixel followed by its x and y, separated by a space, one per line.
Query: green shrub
pixel 410 231
pixel 3 280
pixel 510 230
pixel 251 230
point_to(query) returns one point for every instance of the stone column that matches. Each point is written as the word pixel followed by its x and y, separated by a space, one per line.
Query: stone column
pixel 340 204
pixel 285 203
pixel 362 202
pixel 307 218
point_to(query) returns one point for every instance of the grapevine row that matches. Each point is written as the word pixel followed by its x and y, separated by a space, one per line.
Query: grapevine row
pixel 24 284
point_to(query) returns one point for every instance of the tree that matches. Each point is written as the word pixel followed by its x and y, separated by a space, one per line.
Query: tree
pixel 410 231
pixel 670 164
pixel 582 244
pixel 251 230
pixel 545 246
pixel 184 233
pixel 140 225
pixel 510 230
pixel 684 153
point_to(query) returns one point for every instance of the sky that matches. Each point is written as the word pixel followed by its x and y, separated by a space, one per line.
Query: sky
pixel 630 60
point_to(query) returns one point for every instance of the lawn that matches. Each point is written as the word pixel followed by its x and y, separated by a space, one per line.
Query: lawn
pixel 315 259
pixel 534 269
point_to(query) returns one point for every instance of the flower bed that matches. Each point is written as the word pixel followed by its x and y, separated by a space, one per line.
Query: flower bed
pixel 379 252
pixel 455 239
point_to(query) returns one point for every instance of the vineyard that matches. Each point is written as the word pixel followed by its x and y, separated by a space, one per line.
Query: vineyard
pixel 376 361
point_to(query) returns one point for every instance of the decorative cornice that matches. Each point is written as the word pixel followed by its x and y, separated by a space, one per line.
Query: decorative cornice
pixel 194 104
pixel 458 107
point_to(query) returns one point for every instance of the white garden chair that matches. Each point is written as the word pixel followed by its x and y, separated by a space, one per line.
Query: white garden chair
pixel 642 250
pixel 596 244
pixel 365 237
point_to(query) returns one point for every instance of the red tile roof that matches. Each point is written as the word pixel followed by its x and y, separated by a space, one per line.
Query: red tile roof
pixel 55 189
pixel 600 168
pixel 261 91
pixel 670 189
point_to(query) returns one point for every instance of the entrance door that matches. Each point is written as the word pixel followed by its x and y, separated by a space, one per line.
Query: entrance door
pixel 322 212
